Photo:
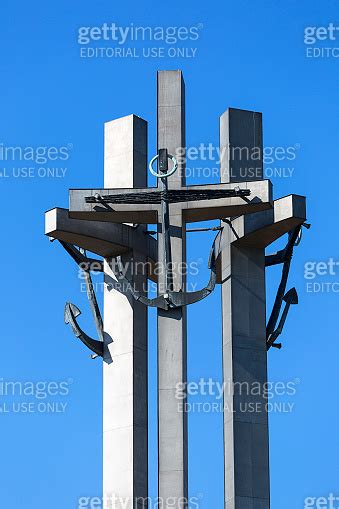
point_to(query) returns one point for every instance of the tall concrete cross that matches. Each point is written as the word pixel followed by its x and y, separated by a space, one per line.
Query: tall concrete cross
pixel 243 261
pixel 111 222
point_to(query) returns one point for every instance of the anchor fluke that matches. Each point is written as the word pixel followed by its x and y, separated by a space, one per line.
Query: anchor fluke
pixel 71 313
pixel 290 299
pixel 75 312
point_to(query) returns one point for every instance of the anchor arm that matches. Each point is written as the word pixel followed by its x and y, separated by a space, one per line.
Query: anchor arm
pixel 177 299
pixel 71 312
pixel 158 302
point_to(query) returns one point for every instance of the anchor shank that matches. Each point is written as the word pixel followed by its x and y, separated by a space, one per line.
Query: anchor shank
pixel 280 327
pixel 293 235
pixel 94 304
pixel 165 222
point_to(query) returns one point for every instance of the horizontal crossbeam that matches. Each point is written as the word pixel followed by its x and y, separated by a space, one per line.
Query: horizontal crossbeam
pixel 195 203
pixel 262 229
pixel 173 196
pixel 105 239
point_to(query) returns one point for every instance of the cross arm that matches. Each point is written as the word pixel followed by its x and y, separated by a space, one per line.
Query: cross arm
pixel 89 204
pixel 105 239
pixel 197 203
pixel 261 229
pixel 259 199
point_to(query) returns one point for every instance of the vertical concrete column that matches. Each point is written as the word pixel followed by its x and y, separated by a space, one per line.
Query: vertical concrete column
pixel 125 462
pixel 246 439
pixel 241 146
pixel 172 341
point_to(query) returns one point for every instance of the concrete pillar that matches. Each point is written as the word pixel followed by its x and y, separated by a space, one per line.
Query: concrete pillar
pixel 172 347
pixel 125 460
pixel 244 337
pixel 241 146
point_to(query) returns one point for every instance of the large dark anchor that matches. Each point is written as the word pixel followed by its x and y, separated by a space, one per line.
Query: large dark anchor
pixel 171 299
pixel 72 312
pixel 283 256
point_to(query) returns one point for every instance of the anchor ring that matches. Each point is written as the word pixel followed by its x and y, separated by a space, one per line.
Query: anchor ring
pixel 163 175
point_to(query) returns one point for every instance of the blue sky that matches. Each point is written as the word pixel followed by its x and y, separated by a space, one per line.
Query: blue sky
pixel 249 55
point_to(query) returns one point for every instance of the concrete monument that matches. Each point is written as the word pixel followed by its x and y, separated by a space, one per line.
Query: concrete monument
pixel 112 223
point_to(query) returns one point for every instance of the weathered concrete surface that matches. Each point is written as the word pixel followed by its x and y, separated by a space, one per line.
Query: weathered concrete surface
pixel 103 238
pixel 244 348
pixel 125 394
pixel 242 273
pixel 261 229
pixel 241 146
pixel 245 363
pixel 172 326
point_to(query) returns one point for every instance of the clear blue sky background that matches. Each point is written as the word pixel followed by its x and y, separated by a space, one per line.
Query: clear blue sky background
pixel 250 55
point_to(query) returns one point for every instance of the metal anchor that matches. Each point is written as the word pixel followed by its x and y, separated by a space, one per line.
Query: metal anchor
pixel 291 297
pixel 72 312
pixel 173 299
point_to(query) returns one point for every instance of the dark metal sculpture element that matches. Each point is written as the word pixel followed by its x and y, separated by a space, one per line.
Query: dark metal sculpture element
pixel 291 297
pixel 173 299
pixel 171 196
pixel 72 312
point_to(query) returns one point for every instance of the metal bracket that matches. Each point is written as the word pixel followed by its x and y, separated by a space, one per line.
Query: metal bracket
pixel 72 312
